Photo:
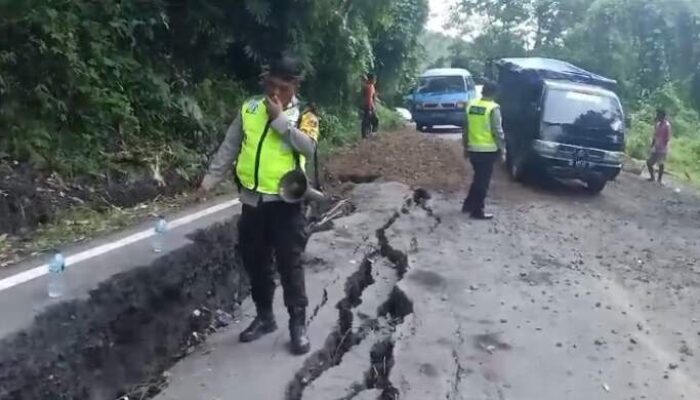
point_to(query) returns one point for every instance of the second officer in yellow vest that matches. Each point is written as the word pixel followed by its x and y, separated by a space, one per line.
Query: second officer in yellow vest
pixel 269 138
pixel 483 139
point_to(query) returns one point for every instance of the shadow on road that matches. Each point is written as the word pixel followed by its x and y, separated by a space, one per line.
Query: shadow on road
pixel 540 185
pixel 443 130
pixel 544 184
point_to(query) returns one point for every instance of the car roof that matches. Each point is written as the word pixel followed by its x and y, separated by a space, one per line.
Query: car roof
pixel 548 69
pixel 574 86
pixel 542 63
pixel 445 72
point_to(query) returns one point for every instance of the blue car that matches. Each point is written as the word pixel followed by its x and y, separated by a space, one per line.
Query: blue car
pixel 441 97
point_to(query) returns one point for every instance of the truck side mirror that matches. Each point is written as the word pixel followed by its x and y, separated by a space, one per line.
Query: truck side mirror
pixel 628 122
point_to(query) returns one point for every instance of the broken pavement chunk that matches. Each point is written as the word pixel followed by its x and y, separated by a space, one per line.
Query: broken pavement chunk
pixel 222 319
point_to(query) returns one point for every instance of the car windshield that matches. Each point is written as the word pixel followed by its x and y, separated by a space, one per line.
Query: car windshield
pixel 575 107
pixel 441 84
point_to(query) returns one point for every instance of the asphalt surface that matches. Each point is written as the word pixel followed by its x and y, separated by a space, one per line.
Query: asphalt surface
pixel 21 303
pixel 563 296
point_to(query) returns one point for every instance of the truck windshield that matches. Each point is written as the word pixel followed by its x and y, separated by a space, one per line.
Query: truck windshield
pixel 441 84
pixel 572 107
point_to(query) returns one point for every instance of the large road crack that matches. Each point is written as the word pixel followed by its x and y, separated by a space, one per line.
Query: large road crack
pixel 342 338
pixel 421 197
pixel 378 376
pixel 321 304
pixel 459 371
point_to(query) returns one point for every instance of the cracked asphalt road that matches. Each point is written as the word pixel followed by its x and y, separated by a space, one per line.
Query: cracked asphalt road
pixel 562 296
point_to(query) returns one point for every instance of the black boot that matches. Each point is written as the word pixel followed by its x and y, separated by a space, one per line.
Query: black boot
pixel 297 331
pixel 467 207
pixel 263 324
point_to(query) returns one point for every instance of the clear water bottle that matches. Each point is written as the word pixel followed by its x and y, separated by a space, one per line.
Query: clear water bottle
pixel 57 276
pixel 159 238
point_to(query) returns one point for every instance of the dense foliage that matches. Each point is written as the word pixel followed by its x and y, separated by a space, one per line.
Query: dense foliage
pixel 652 47
pixel 92 87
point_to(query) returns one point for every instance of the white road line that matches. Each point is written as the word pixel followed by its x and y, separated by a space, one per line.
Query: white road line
pixel 41 270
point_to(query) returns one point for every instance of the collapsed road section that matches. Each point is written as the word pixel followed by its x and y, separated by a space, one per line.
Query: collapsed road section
pixel 130 328
pixel 417 304
pixel 119 342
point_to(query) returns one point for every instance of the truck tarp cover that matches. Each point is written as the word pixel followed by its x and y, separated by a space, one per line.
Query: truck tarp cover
pixel 535 70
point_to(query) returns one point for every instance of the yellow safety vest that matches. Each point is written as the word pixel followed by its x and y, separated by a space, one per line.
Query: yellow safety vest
pixel 479 119
pixel 265 157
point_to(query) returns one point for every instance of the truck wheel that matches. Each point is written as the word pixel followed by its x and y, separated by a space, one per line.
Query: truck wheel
pixel 595 186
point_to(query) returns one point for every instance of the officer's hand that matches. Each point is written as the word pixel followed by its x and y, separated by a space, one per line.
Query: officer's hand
pixel 274 107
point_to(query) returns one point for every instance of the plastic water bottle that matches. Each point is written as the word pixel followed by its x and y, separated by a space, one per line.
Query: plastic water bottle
pixel 159 238
pixel 57 276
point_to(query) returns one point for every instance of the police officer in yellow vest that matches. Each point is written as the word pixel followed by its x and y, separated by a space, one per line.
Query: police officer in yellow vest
pixel 483 139
pixel 269 138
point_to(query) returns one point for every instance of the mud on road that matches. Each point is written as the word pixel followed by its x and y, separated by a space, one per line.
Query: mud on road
pixel 564 295
pixel 406 156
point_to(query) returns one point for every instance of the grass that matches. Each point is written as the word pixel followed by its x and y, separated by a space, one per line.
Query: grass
pixel 684 155
pixel 79 224
pixel 341 128
pixel 389 119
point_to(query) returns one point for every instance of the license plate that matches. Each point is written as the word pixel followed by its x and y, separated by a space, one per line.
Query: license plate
pixel 580 159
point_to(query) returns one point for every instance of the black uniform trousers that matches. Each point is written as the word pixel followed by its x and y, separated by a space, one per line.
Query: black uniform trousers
pixel 482 163
pixel 274 228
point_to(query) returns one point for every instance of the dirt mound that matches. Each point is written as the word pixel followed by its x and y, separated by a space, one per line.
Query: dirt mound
pixel 406 156
pixel 134 192
pixel 24 202
pixel 131 328
pixel 29 198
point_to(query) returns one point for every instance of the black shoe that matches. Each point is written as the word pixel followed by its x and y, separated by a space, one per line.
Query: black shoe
pixel 261 325
pixel 480 215
pixel 297 332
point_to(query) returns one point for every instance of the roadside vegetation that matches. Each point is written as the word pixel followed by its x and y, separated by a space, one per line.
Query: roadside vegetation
pixel 651 47
pixel 101 89
pixel 107 106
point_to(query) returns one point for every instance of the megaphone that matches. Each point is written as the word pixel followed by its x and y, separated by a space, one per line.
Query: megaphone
pixel 295 188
